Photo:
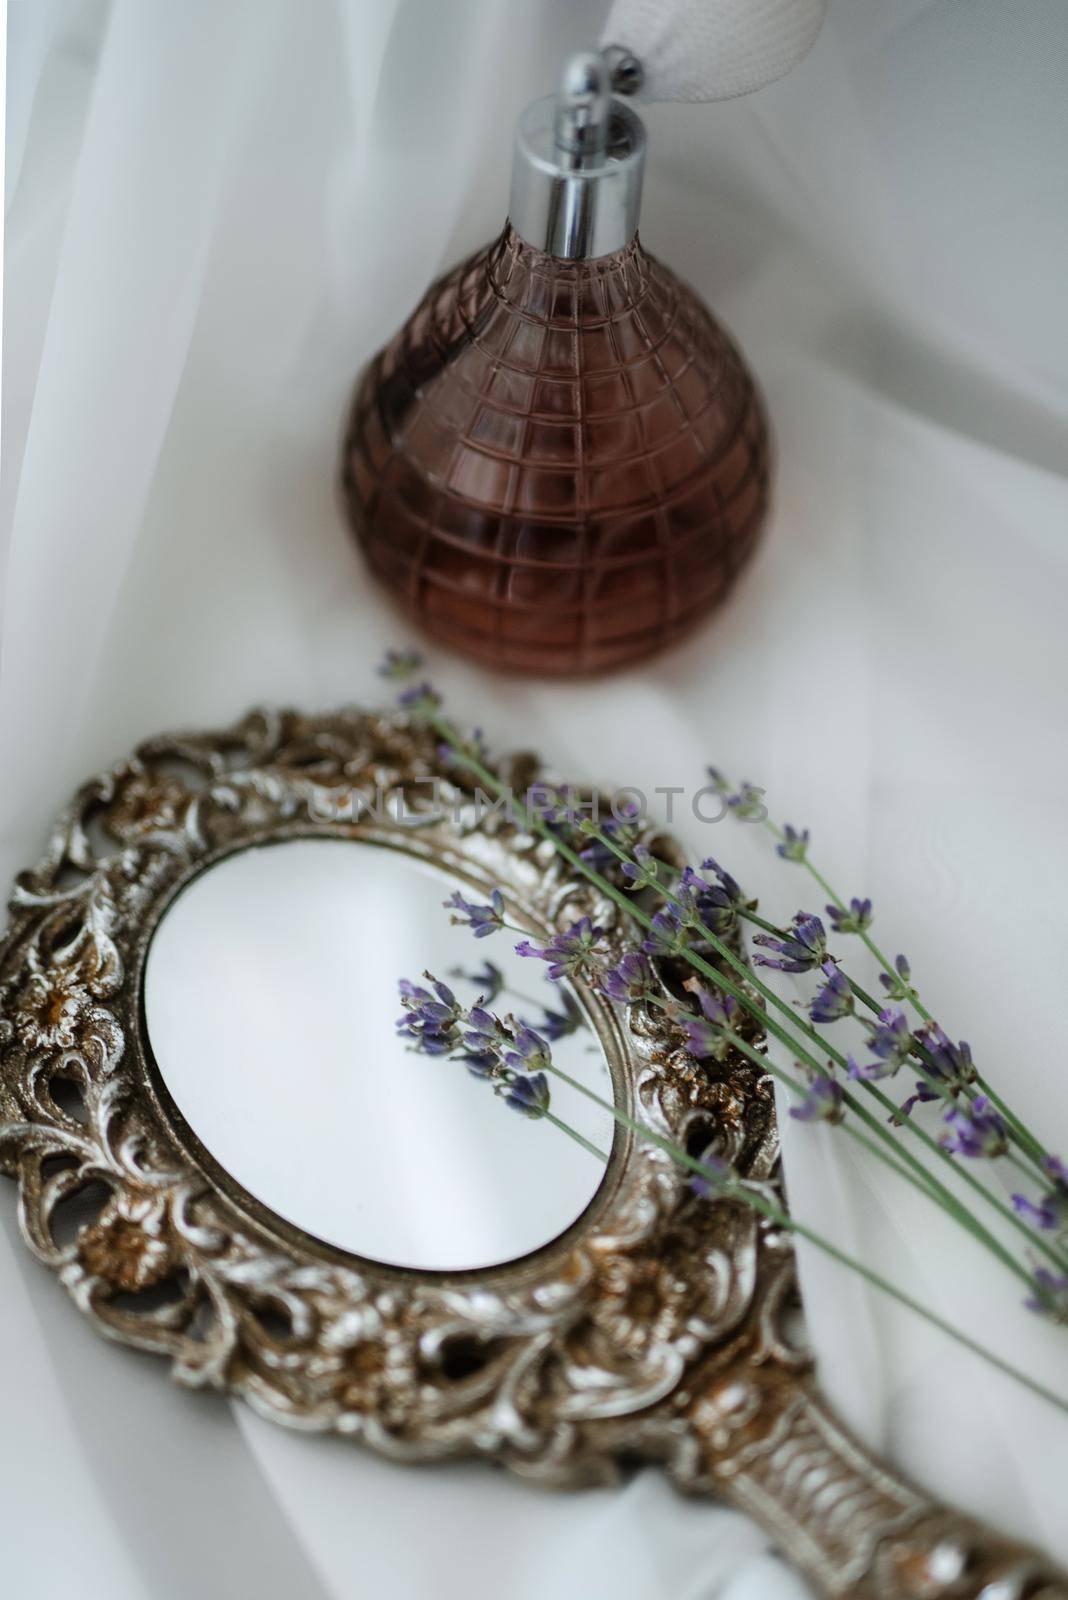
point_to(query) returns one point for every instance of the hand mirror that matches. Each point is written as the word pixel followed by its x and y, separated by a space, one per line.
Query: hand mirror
pixel 229 1158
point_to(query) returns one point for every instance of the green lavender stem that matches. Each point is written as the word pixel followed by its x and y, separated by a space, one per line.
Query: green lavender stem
pixel 573 1133
pixel 923 1056
pixel 765 1207
pixel 805 1027
pixel 933 1190
pixel 774 1214
pixel 768 1209
pixel 931 1145
pixel 899 1161
pixel 923 1060
pixel 765 1020
pixel 1027 1138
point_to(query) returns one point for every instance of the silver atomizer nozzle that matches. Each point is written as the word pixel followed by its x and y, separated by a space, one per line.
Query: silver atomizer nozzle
pixel 579 158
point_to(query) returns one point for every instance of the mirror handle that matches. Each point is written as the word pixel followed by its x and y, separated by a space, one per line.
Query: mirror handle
pixel 771 1446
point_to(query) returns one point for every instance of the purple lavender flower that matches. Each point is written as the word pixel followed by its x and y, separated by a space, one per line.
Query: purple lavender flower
pixel 802 947
pixel 713 905
pixel 437 1002
pixel 399 665
pixel 629 980
pixel 731 890
pixel 412 991
pixel 528 1095
pixel 951 1063
pixel 718 781
pixel 714 1177
pixel 482 1027
pixel 721 1009
pixel 644 869
pixel 553 804
pixel 1051 1211
pixel 531 1053
pixel 719 903
pixel 1056 1169
pixel 482 920
pixel 621 830
pixel 688 891
pixel 431 1016
pixel 975 1130
pixel 899 985
pixel 558 1024
pixel 869 1072
pixel 855 920
pixel 513 1056
pixel 822 1101
pixel 924 1095
pixel 890 1037
pixel 573 953
pixel 793 845
pixel 482 1063
pixel 706 1034
pixel 748 803
pixel 420 700
pixel 487 979
pixel 892 1042
pixel 597 854
pixel 665 936
pixel 949 1067
pixel 834 999
pixel 1050 1298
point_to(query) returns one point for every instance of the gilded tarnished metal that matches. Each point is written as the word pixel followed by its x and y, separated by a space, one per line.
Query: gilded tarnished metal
pixel 656 1327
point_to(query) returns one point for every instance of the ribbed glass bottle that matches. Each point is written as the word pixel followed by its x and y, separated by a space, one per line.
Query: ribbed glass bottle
pixel 557 466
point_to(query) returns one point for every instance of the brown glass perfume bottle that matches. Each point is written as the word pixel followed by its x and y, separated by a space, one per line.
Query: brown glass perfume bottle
pixel 560 462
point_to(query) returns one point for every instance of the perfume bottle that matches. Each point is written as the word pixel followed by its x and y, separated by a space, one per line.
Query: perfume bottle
pixel 560 462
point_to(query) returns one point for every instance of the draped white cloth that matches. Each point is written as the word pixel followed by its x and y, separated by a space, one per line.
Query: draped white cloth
pixel 713 49
pixel 216 209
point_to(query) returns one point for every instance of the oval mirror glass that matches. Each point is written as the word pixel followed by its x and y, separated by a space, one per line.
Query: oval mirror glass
pixel 271 1008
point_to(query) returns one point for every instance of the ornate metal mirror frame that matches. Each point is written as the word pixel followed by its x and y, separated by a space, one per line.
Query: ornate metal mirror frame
pixel 655 1327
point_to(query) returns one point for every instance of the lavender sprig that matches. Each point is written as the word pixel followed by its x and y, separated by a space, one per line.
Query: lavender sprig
pixel 729 985
pixel 630 980
pixel 800 949
pixel 575 953
pixel 855 920
pixel 712 1177
pixel 710 1034
pixel 835 999
pixel 510 1056
pixel 421 700
pixel 481 919
pixel 898 982
pixel 624 831
pixel 1050 1214
pixel 793 844
pixel 896 977
pixel 823 1102
pixel 1050 1297
pixel 669 936
pixel 975 1132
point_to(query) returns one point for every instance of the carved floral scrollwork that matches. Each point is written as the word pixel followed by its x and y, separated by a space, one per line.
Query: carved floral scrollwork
pixel 656 1327
pixel 520 1362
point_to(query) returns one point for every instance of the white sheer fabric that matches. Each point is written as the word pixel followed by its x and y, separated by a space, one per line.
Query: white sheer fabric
pixel 713 49
pixel 215 212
